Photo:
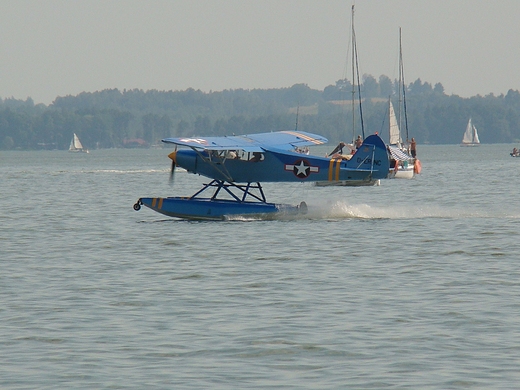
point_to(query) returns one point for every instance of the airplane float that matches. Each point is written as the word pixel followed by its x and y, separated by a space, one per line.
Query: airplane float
pixel 238 164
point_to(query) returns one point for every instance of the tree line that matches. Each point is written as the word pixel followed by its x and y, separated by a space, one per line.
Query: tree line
pixel 113 118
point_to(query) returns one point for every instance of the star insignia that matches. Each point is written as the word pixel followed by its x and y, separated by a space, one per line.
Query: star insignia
pixel 301 168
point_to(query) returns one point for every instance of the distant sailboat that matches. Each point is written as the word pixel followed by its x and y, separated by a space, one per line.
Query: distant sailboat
pixel 76 146
pixel 470 137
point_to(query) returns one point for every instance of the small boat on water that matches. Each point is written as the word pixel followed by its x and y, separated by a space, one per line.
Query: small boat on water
pixel 76 146
pixel 470 137
pixel 515 153
pixel 403 163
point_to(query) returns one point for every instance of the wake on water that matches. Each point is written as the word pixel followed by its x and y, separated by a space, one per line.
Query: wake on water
pixel 343 210
pixel 339 210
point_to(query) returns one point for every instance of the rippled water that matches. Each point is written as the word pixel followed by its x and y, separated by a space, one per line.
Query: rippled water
pixel 412 284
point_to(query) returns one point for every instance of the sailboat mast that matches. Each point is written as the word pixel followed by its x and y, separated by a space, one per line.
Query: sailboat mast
pixel 355 75
pixel 353 78
pixel 399 86
pixel 401 78
pixel 297 113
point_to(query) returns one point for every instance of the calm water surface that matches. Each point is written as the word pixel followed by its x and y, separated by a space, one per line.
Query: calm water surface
pixel 411 284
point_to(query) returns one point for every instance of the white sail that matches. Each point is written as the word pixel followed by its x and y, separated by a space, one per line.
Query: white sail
pixel 75 145
pixel 77 142
pixel 470 135
pixel 475 135
pixel 395 136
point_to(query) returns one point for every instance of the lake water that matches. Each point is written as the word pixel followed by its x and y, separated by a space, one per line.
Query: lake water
pixel 410 284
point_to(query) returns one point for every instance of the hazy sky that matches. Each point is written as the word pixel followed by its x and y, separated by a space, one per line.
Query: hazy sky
pixel 51 48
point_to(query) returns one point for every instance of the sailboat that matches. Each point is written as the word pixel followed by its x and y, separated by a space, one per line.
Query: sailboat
pixel 402 164
pixel 337 154
pixel 470 137
pixel 76 146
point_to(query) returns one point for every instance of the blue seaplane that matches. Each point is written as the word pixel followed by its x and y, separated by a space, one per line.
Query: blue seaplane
pixel 237 165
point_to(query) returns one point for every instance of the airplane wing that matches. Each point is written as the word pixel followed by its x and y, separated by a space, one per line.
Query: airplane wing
pixel 288 140
pixel 285 140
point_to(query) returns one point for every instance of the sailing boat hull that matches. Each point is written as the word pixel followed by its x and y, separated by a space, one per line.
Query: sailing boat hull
pixel 402 165
pixel 406 173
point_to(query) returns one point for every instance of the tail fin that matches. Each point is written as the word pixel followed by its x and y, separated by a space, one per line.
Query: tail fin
pixel 373 156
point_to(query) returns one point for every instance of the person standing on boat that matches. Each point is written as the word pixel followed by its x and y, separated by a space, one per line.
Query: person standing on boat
pixel 413 148
pixel 358 142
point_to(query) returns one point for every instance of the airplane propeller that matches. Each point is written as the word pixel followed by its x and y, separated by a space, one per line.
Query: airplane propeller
pixel 172 155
